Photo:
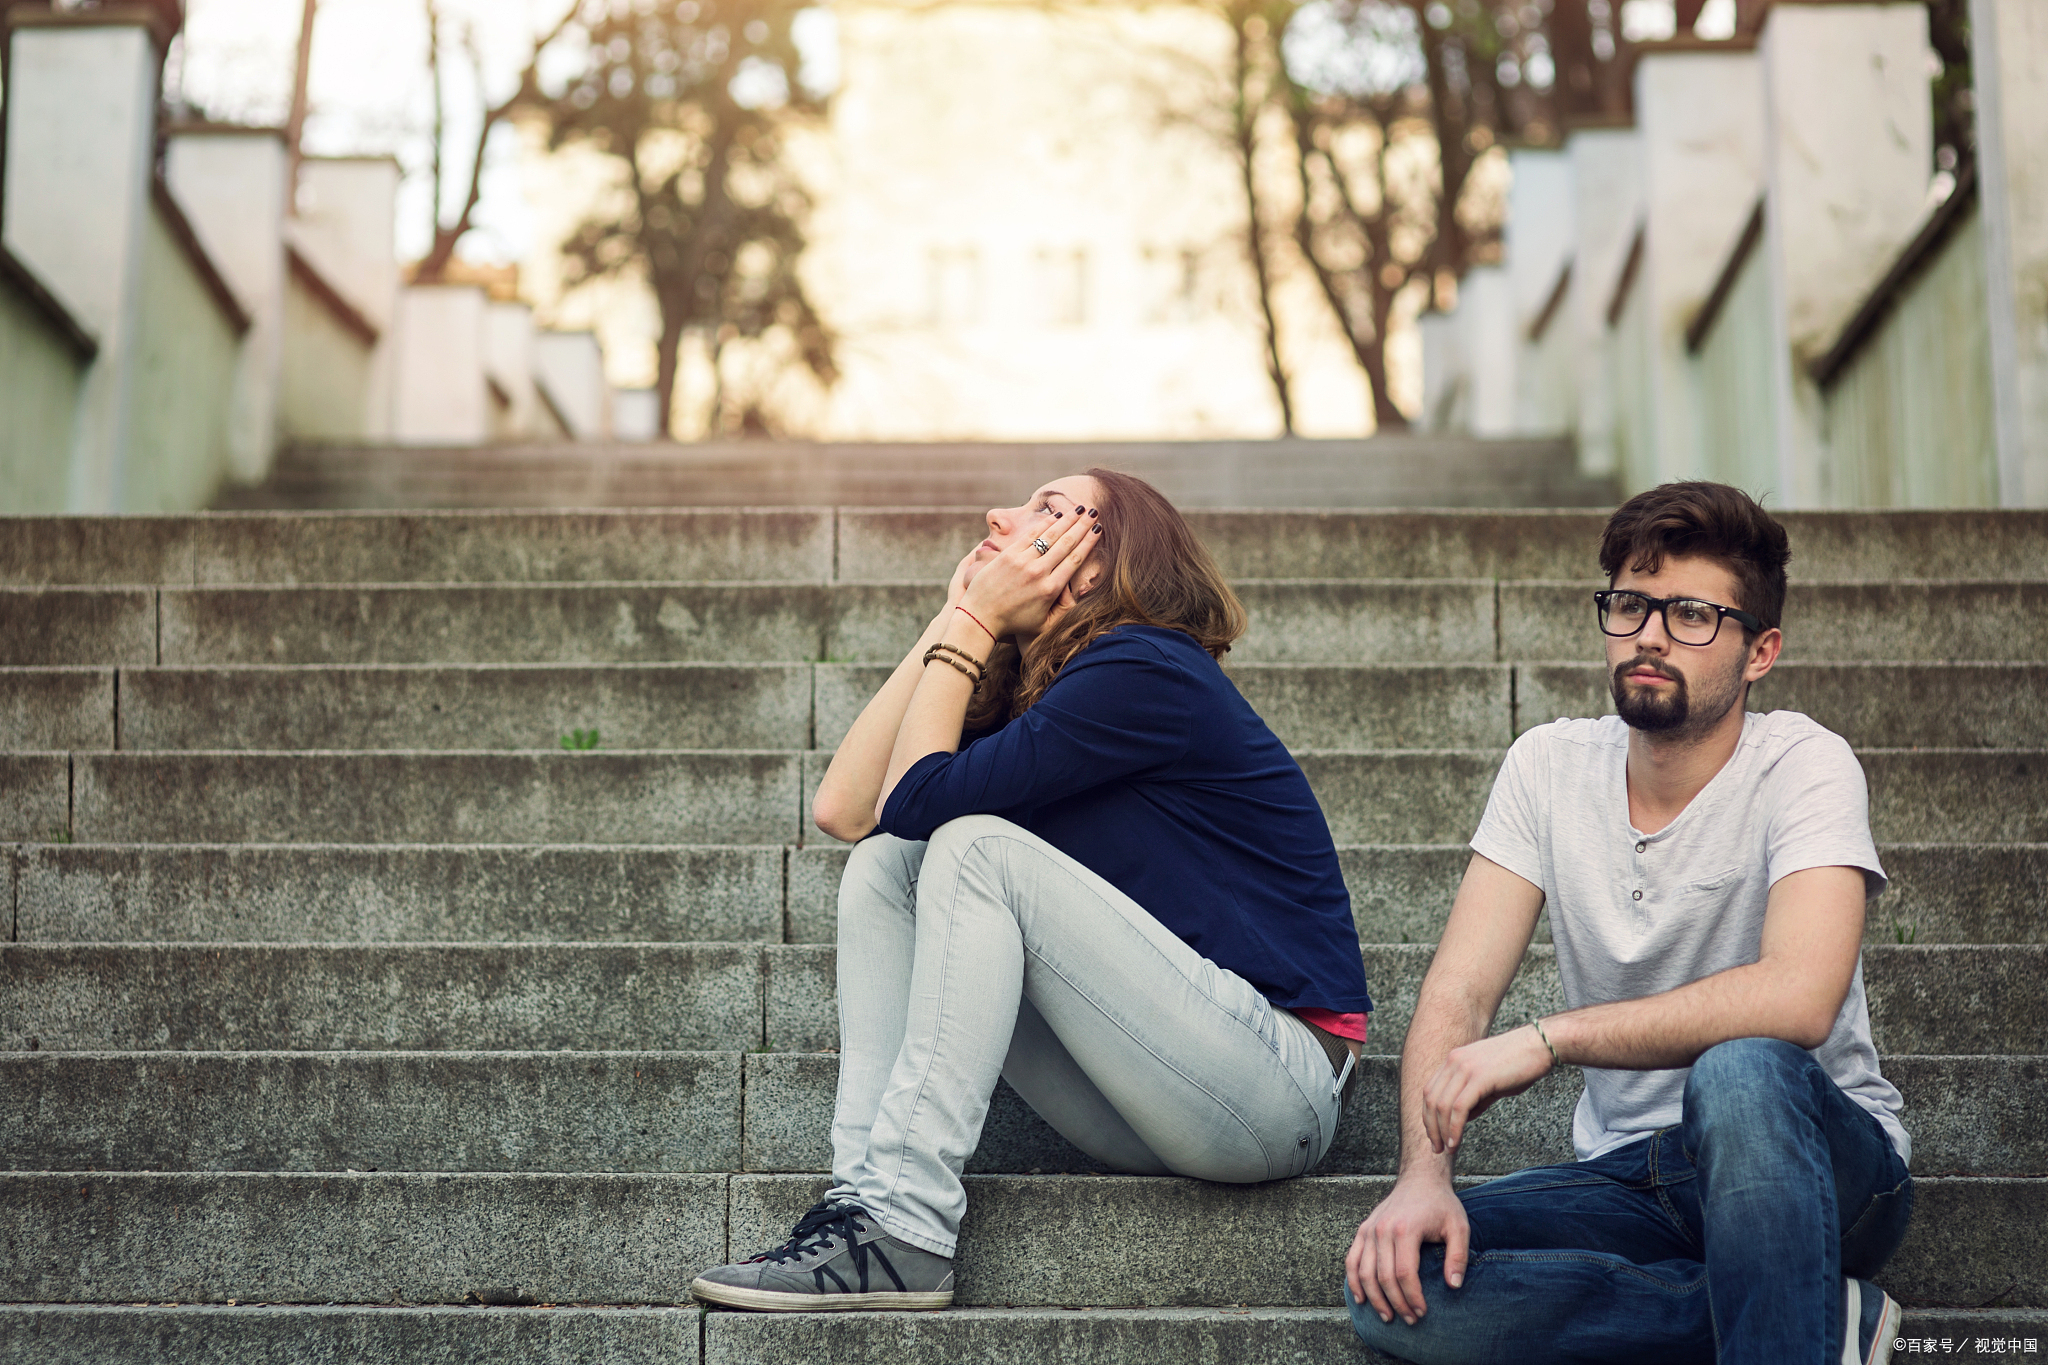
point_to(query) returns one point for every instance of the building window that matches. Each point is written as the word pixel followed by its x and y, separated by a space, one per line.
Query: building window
pixel 1172 279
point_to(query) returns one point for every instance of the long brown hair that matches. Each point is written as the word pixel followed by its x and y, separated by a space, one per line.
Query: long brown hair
pixel 1154 572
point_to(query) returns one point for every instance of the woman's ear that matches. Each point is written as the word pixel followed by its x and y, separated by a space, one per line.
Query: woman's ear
pixel 1084 582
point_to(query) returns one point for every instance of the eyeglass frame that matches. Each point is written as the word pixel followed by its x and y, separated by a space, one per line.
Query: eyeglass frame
pixel 1662 606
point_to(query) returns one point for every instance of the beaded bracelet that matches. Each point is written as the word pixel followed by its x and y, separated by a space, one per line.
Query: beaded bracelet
pixel 964 670
pixel 980 665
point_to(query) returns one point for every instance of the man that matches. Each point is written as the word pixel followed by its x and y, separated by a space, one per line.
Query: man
pixel 1742 1169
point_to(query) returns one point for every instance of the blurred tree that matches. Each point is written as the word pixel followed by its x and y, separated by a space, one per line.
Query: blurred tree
pixel 1390 107
pixel 694 100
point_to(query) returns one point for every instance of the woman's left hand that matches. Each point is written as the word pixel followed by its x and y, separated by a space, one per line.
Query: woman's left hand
pixel 1019 591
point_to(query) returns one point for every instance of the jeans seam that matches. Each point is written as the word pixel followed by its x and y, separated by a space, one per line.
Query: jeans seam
pixel 1656 1184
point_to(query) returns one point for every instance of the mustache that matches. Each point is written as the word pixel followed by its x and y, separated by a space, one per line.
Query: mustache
pixel 1648 664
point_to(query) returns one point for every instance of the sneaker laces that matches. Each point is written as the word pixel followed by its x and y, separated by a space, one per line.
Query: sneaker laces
pixel 818 1229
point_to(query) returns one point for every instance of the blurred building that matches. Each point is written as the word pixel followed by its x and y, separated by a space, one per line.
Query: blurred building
pixel 1761 277
pixel 1029 224
pixel 175 305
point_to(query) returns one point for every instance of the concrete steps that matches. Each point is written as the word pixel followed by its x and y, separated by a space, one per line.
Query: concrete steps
pixel 1351 620
pixel 449 1110
pixel 333 979
pixel 803 705
pixel 1387 471
pixel 363 1237
pixel 67 1334
pixel 395 893
pixel 1947 998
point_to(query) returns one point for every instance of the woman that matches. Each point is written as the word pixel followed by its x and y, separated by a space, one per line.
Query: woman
pixel 1086 865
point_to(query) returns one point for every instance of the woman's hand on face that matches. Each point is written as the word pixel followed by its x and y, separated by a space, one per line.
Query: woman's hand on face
pixel 1020 591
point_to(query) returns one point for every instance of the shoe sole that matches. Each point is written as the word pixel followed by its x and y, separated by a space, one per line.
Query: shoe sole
pixel 773 1301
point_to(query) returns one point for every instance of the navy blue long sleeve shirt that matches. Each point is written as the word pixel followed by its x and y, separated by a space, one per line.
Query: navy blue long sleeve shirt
pixel 1143 763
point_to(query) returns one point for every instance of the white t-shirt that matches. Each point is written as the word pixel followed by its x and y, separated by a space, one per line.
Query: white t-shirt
pixel 1636 914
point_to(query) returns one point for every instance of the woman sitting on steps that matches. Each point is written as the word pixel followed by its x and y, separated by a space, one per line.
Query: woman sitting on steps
pixel 1084 865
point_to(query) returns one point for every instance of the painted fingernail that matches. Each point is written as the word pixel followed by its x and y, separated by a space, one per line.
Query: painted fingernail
pixel 1098 528
pixel 1093 510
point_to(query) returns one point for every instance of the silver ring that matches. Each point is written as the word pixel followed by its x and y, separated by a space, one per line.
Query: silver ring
pixel 1040 546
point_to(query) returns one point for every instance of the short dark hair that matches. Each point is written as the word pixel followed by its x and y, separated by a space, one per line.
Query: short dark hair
pixel 1710 520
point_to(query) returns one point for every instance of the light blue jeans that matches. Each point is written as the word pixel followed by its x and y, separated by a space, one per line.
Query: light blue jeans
pixel 1724 1239
pixel 988 952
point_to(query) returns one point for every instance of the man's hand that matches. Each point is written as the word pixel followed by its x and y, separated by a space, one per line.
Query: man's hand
pixel 1476 1075
pixel 1384 1264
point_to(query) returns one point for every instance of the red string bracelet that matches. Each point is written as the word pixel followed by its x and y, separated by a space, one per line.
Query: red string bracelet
pixel 977 621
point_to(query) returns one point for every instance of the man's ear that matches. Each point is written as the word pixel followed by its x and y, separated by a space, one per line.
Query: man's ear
pixel 1763 652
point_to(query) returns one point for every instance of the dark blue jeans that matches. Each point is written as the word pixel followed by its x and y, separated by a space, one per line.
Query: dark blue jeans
pixel 1723 1239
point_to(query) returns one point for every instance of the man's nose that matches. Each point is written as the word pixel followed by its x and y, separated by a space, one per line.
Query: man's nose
pixel 1653 635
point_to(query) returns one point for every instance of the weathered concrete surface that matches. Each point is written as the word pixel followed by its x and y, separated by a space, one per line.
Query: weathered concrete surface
pixel 802 998
pixel 274 1334
pixel 793 543
pixel 421 706
pixel 1033 1336
pixel 877 623
pixel 257 893
pixel 1451 543
pixel 506 623
pixel 814 872
pixel 354 1238
pixel 1899 620
pixel 116 997
pixel 1939 1000
pixel 1077 1240
pixel 1872 705
pixel 1961 893
pixel 72 627
pixel 371 1111
pixel 56 708
pixel 1974 1115
pixel 1401 796
pixel 1380 706
pixel 691 797
pixel 1393 621
pixel 840 693
pixel 35 796
pixel 1958 795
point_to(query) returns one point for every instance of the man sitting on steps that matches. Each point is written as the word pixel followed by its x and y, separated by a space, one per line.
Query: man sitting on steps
pixel 1742 1169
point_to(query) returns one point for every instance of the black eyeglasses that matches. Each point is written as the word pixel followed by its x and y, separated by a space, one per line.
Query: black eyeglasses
pixel 1687 620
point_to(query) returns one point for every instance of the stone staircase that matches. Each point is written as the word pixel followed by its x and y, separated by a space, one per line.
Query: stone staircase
pixel 343 1002
pixel 1412 470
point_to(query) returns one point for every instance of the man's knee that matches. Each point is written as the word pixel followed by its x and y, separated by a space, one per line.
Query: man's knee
pixel 1732 1079
pixel 1429 1341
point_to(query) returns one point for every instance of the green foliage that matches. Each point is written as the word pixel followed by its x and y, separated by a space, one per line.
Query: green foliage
pixel 1905 933
pixel 59 835
pixel 580 741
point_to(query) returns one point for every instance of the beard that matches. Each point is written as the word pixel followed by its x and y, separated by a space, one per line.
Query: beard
pixel 1670 713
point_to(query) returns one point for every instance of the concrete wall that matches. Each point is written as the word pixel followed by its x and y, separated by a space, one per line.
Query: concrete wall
pixel 1909 423
pixel 1631 354
pixel 327 373
pixel 1700 116
pixel 183 361
pixel 1607 181
pixel 570 367
pixel 231 186
pixel 1735 390
pixel 2009 60
pixel 439 394
pixel 41 373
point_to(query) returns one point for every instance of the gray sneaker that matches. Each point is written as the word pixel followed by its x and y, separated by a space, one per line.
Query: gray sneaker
pixel 837 1258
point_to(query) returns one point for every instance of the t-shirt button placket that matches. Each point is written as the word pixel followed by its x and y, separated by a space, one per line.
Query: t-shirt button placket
pixel 1637 895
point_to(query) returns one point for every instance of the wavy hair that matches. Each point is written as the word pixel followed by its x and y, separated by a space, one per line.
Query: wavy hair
pixel 1155 572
